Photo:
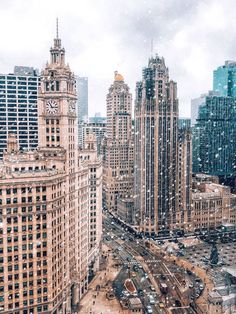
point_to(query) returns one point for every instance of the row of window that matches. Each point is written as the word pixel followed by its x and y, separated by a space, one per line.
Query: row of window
pixel 16 200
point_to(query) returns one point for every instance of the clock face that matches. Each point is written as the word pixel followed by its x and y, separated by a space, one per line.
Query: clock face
pixel 72 107
pixel 52 107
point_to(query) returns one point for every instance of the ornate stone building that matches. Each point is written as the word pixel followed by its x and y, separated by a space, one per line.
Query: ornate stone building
pixel 183 214
pixel 88 157
pixel 212 206
pixel 118 145
pixel 44 244
pixel 156 149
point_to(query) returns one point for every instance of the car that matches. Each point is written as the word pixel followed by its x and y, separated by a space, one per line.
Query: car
pixel 180 253
pixel 149 309
pixel 161 305
pixel 163 277
pixel 125 293
pixel 178 303
pixel 152 288
pixel 135 267
pixel 151 299
pixel 140 292
pixel 190 286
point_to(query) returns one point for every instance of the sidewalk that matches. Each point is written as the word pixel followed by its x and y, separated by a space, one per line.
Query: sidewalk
pixel 96 302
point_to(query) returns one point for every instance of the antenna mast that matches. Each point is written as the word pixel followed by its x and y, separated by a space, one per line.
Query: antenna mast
pixel 57 28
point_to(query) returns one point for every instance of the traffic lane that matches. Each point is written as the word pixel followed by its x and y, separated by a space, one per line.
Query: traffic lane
pixel 140 249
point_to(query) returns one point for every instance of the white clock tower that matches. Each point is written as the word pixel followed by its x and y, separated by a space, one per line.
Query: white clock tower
pixel 56 103
pixel 58 144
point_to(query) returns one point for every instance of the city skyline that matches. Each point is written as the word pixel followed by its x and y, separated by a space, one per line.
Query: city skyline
pixel 101 40
pixel 132 210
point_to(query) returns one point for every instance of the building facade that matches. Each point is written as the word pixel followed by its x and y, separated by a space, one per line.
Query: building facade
pixel 118 145
pixel 82 98
pixel 224 79
pixel 156 149
pixel 214 139
pixel 196 103
pixel 88 157
pixel 211 206
pixel 44 246
pixel 97 128
pixel 18 107
pixel 183 217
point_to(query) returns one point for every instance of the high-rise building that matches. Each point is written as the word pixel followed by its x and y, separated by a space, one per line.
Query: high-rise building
pixel 82 98
pixel 97 118
pixel 18 107
pixel 44 205
pixel 183 219
pixel 214 138
pixel 82 105
pixel 118 145
pixel 196 103
pixel 156 149
pixel 89 157
pixel 97 128
pixel 224 79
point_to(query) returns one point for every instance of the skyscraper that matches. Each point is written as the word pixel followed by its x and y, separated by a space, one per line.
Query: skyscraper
pixel 118 145
pixel 97 128
pixel 82 98
pixel 183 220
pixel 196 103
pixel 82 105
pixel 224 79
pixel 44 205
pixel 214 138
pixel 156 149
pixel 18 107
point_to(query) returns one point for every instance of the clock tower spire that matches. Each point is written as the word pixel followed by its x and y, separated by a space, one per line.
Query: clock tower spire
pixel 56 102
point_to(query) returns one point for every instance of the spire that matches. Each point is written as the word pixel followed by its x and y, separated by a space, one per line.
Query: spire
pixel 57 41
pixel 57 28
pixel 151 48
pixel 57 52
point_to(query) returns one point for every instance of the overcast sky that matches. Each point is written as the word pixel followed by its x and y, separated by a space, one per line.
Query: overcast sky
pixel 101 36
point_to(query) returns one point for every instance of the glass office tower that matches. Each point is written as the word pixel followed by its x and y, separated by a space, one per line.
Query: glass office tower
pixel 18 107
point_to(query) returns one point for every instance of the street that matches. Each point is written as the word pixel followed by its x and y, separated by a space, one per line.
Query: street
pixel 149 272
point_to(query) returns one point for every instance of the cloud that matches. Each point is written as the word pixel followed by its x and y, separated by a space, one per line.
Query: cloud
pixel 101 36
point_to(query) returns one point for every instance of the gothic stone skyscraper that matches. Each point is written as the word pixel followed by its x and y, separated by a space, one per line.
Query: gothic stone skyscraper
pixel 156 144
pixel 118 145
pixel 44 205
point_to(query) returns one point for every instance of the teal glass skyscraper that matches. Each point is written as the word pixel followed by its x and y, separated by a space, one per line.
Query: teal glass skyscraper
pixel 214 138
pixel 224 79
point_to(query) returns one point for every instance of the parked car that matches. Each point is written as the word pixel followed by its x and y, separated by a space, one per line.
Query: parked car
pixel 149 309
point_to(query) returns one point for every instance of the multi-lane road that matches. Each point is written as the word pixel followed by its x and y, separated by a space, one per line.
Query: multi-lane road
pixel 150 272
